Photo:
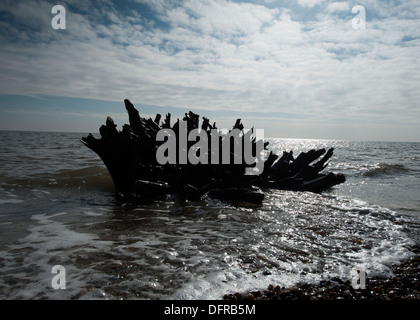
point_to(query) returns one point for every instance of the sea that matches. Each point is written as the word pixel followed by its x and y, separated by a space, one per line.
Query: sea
pixel 64 234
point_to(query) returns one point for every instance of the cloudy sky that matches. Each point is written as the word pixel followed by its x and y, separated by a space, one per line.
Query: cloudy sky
pixel 297 69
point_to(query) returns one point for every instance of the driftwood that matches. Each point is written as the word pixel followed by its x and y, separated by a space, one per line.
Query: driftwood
pixel 130 157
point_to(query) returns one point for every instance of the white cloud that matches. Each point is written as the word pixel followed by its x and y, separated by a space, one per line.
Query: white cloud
pixel 338 7
pixel 218 55
pixel 309 3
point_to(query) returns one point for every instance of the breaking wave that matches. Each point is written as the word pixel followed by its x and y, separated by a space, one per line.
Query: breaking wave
pixel 381 169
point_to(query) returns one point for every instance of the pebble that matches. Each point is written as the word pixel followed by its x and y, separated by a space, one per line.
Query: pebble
pixel 250 296
pixel 346 293
pixel 404 285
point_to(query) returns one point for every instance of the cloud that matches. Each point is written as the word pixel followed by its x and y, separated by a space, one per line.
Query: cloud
pixel 309 3
pixel 338 7
pixel 220 55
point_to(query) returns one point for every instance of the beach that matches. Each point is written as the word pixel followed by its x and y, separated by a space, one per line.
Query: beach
pixel 59 209
pixel 403 285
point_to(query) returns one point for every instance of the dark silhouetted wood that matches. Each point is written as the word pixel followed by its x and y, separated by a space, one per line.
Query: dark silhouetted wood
pixel 130 157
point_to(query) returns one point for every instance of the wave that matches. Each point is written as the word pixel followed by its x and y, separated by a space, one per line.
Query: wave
pixel 92 177
pixel 95 177
pixel 385 169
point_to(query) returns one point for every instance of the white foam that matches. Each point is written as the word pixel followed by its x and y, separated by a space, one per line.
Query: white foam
pixel 49 243
pixel 294 237
pixel 367 225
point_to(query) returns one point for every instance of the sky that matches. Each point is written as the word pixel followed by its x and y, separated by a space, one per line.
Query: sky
pixel 317 69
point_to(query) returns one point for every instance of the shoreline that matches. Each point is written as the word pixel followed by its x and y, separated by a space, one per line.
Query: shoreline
pixel 403 285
